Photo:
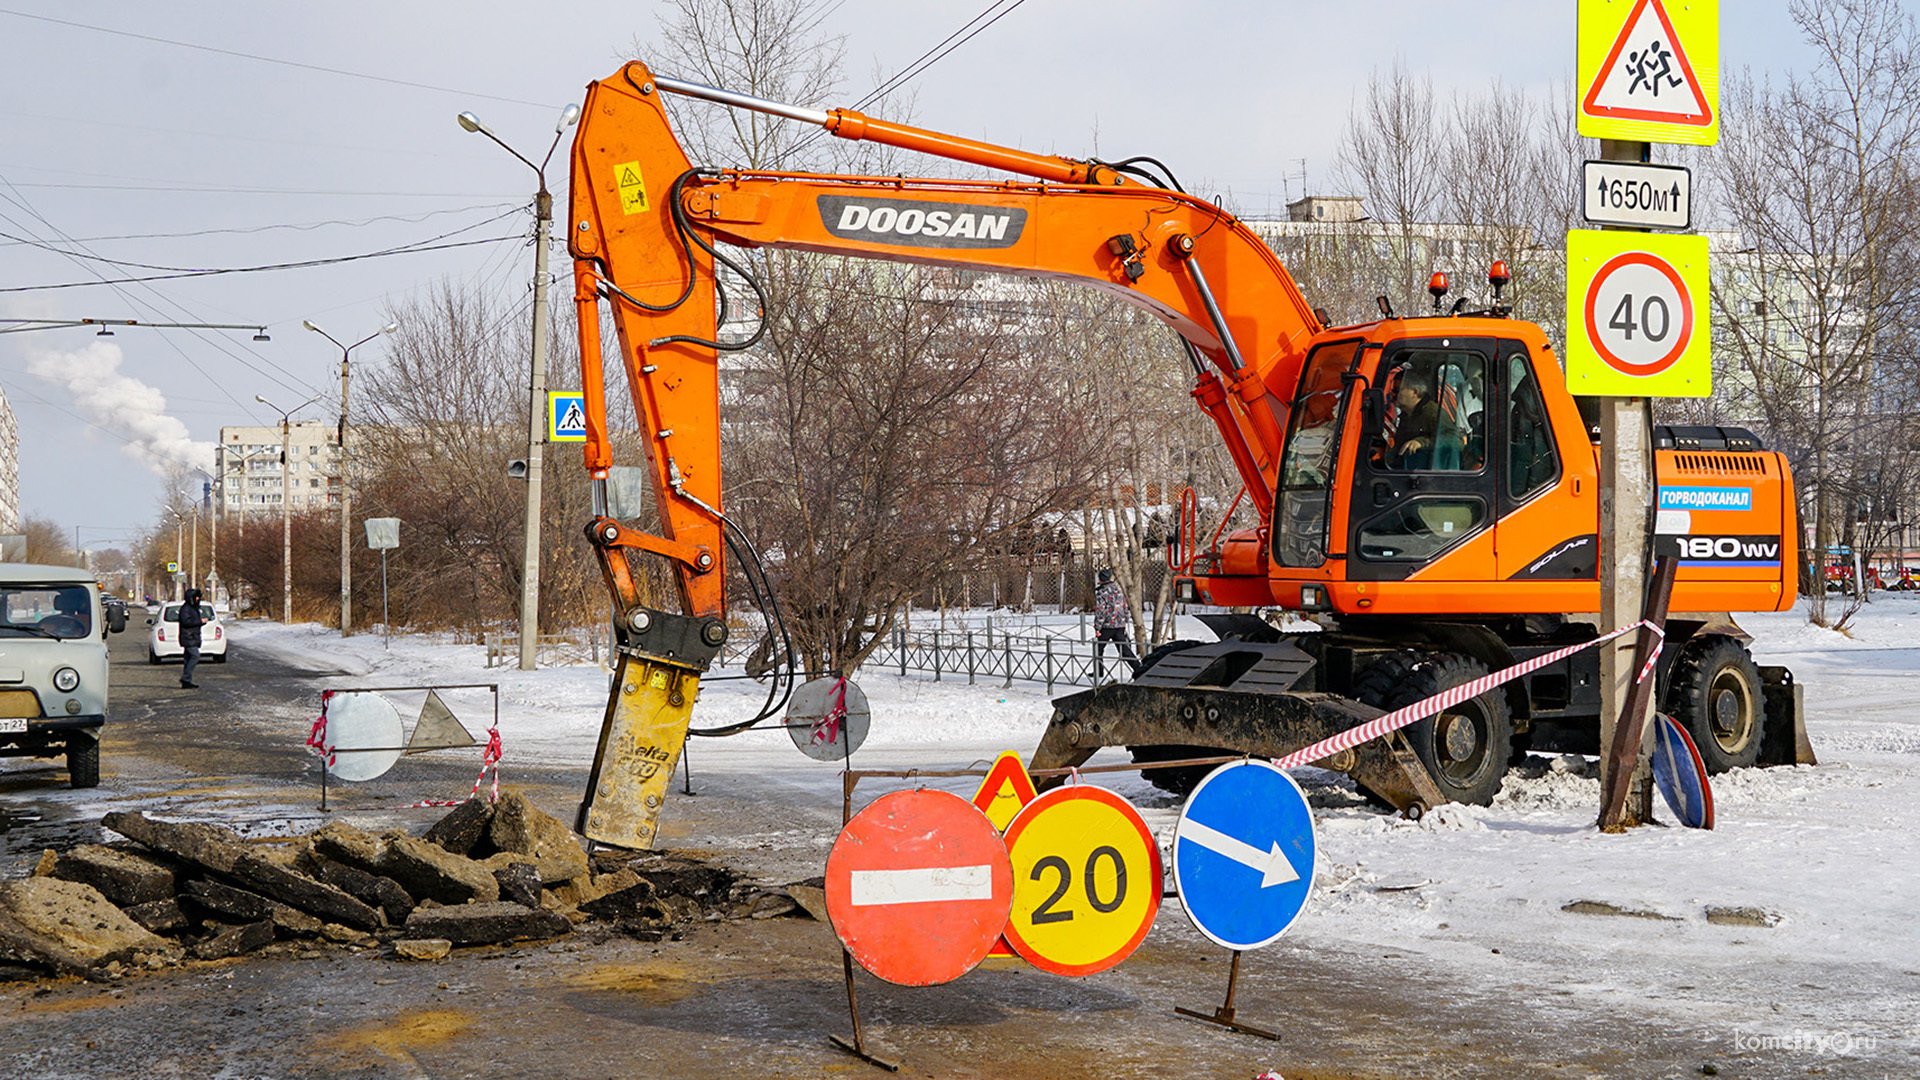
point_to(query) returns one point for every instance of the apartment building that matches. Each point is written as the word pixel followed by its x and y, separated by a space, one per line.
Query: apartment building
pixel 248 468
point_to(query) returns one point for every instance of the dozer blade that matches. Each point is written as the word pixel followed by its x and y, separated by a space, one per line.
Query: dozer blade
pixel 640 742
pixel 1268 725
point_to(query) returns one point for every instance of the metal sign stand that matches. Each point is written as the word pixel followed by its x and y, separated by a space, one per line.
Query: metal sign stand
pixel 326 751
pixel 1223 1015
pixel 857 1046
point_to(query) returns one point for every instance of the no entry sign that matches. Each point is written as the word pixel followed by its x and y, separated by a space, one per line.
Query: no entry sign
pixel 1637 322
pixel 1086 880
pixel 918 887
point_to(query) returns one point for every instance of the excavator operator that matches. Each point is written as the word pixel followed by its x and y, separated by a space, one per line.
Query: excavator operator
pixel 1419 421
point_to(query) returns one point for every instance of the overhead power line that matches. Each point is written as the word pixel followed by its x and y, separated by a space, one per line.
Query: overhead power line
pixel 970 29
pixel 302 226
pixel 272 59
pixel 408 250
pixel 44 246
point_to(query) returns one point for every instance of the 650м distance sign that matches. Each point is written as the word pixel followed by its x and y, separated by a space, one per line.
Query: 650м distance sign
pixel 1637 195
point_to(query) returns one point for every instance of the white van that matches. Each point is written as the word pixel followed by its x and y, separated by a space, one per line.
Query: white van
pixel 53 667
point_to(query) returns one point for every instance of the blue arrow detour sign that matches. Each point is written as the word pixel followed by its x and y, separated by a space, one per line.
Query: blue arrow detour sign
pixel 1243 854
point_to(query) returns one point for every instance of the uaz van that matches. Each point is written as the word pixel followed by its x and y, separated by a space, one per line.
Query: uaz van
pixel 53 667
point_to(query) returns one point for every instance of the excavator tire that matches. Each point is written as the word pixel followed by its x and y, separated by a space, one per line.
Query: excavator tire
pixel 1465 748
pixel 1715 692
pixel 1177 781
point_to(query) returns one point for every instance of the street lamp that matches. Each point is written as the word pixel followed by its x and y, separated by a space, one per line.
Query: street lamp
pixel 346 496
pixel 286 504
pixel 537 385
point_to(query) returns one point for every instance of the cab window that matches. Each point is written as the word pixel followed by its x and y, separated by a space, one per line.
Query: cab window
pixel 1532 460
pixel 1436 416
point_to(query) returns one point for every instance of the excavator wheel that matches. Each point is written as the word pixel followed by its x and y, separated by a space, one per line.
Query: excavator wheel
pixel 1465 748
pixel 1714 691
pixel 1177 781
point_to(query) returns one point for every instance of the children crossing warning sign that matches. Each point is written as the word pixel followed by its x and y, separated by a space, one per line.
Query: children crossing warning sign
pixel 1650 70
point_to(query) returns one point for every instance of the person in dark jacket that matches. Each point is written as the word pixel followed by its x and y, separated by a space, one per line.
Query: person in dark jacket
pixel 1419 422
pixel 191 619
pixel 1110 619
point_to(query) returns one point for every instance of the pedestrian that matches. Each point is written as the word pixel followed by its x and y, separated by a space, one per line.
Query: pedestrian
pixel 191 619
pixel 1110 619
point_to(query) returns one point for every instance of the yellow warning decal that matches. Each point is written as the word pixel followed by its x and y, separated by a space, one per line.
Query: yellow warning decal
pixel 633 187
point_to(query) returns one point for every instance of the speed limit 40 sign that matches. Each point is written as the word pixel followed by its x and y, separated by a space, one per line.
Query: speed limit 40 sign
pixel 1637 318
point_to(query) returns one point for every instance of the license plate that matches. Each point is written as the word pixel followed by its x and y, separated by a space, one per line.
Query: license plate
pixel 12 724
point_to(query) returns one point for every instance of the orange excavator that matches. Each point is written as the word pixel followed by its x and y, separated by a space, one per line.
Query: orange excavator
pixel 1426 488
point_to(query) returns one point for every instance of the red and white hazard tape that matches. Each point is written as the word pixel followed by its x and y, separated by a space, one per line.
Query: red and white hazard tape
pixel 1446 699
pixel 827 728
pixel 489 758
pixel 317 738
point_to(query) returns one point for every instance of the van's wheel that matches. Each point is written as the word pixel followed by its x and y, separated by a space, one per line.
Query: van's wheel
pixel 1714 691
pixel 153 658
pixel 1178 781
pixel 83 762
pixel 1466 748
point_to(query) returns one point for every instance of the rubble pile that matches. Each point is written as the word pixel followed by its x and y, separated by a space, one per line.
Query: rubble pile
pixel 485 874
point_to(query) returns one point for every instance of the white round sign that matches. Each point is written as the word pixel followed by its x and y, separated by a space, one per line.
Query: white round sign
pixel 828 718
pixel 1639 315
pixel 364 731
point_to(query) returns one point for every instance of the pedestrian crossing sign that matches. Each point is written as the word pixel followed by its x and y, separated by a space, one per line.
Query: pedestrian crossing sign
pixel 1649 70
pixel 566 416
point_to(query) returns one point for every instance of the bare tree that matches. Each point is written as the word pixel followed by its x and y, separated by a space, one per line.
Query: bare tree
pixel 1394 152
pixel 888 432
pixel 1817 177
pixel 768 48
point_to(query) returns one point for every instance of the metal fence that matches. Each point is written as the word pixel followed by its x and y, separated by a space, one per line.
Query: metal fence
pixel 1034 655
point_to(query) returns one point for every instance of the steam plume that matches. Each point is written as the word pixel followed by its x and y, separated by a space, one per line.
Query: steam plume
pixel 123 405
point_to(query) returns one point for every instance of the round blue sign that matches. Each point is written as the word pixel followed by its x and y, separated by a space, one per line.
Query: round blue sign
pixel 1243 854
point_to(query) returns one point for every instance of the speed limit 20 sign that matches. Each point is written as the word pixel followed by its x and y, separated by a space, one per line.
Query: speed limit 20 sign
pixel 1637 318
pixel 1086 880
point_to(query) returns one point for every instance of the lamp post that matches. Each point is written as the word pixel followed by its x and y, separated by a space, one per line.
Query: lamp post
pixel 346 490
pixel 537 385
pixel 286 504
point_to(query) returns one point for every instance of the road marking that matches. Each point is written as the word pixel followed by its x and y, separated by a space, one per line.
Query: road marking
pixel 926 885
pixel 1273 865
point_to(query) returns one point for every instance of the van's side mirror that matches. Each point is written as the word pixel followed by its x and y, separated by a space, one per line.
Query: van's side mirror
pixel 149 622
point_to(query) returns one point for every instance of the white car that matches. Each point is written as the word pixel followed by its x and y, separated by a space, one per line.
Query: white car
pixel 163 641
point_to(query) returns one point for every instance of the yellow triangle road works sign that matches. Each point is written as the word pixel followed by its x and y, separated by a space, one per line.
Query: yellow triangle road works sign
pixel 1005 790
pixel 1650 70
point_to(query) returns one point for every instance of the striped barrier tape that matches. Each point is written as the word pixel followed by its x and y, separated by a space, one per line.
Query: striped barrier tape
pixel 317 737
pixel 1446 699
pixel 489 761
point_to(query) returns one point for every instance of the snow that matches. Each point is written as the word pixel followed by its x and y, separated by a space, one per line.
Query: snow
pixel 1826 852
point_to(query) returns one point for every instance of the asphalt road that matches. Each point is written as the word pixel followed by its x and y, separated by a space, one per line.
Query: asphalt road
pixel 741 1000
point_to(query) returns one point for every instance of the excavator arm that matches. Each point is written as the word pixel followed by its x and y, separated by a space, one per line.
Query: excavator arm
pixel 643 231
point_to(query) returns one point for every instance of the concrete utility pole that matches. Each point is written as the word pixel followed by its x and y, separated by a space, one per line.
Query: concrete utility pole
pixel 1626 527
pixel 286 504
pixel 346 489
pixel 537 384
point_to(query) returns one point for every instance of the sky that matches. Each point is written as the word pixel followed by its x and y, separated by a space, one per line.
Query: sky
pixel 221 135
